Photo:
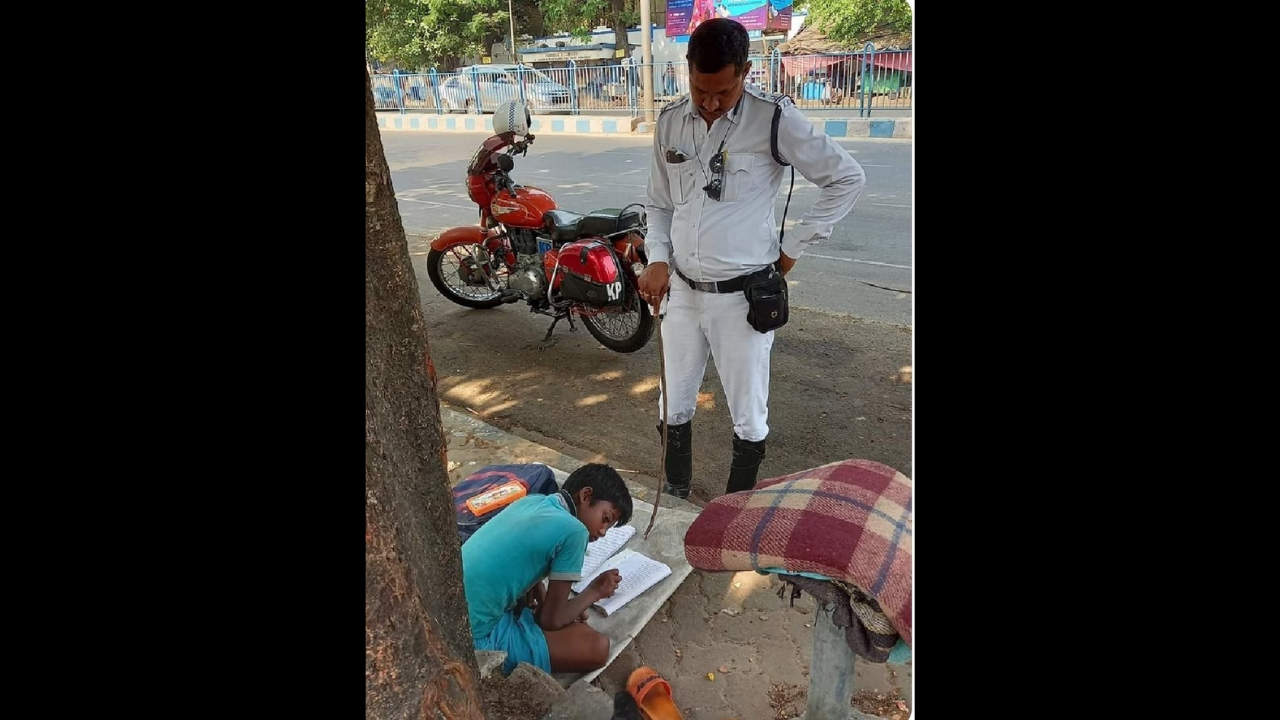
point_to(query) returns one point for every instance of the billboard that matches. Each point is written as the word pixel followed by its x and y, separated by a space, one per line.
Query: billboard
pixel 684 16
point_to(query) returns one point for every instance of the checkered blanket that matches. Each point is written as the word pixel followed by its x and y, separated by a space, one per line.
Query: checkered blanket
pixel 849 520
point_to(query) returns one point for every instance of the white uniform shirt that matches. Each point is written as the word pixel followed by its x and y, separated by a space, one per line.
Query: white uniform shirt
pixel 710 240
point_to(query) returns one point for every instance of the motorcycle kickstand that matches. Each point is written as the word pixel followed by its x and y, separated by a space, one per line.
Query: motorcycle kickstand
pixel 547 340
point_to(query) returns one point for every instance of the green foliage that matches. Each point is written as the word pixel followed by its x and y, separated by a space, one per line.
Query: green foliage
pixel 846 20
pixel 580 17
pixel 577 17
pixel 416 34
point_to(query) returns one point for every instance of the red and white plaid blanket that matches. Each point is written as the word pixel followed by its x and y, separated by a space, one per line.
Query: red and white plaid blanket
pixel 849 520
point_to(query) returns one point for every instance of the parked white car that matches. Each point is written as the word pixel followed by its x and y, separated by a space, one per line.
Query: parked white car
pixel 498 84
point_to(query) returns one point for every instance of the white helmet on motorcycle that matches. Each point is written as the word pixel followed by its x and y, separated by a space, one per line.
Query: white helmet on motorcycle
pixel 512 117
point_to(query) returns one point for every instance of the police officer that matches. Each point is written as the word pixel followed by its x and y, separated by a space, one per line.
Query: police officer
pixel 711 224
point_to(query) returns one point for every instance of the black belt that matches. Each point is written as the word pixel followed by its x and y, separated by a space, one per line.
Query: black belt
pixel 722 286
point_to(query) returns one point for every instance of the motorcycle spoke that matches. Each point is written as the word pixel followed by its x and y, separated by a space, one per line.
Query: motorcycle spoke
pixel 618 325
pixel 449 273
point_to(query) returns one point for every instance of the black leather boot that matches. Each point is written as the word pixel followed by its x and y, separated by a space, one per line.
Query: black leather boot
pixel 679 460
pixel 747 456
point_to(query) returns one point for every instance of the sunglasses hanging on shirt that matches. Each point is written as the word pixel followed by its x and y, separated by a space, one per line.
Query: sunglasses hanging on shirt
pixel 715 184
pixel 713 188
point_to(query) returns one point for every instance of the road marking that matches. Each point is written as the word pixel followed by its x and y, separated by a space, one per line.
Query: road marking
pixel 855 260
pixel 435 202
pixel 891 205
pixel 592 184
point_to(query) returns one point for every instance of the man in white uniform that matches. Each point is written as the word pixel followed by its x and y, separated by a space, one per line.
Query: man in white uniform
pixel 711 226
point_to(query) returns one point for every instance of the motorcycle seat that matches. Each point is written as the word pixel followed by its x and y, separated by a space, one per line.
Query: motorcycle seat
pixel 562 225
pixel 609 220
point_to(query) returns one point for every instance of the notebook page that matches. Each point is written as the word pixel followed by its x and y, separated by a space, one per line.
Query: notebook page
pixel 612 562
pixel 604 548
pixel 639 573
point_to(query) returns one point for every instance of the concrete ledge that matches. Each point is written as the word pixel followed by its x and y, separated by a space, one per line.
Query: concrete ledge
pixel 583 701
pixel 871 127
pixel 542 124
pixel 489 660
pixel 534 681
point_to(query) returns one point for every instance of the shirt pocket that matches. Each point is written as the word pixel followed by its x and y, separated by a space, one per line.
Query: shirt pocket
pixel 681 181
pixel 739 178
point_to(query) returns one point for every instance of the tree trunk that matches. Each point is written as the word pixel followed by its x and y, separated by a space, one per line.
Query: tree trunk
pixel 419 657
pixel 619 27
pixel 529 18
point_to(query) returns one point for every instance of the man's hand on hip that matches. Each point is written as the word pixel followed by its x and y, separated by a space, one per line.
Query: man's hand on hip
pixel 786 263
pixel 654 282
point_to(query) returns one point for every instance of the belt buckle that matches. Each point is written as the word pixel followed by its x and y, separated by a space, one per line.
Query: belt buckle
pixel 706 286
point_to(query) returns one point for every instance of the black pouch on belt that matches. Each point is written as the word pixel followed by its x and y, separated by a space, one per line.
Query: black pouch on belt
pixel 766 292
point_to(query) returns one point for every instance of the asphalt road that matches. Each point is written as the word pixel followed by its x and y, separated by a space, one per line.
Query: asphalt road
pixel 862 270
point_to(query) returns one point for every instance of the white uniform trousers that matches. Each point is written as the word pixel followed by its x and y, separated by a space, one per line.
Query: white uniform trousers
pixel 699 322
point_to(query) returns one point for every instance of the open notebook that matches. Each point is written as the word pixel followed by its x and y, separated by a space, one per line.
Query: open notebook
pixel 639 573
pixel 605 547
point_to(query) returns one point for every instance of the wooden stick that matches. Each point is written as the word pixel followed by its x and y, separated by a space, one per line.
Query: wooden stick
pixel 662 386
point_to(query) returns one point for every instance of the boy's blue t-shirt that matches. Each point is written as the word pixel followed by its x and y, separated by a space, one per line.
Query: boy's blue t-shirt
pixel 533 538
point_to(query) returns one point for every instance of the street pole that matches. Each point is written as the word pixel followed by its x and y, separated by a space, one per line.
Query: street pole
pixel 646 54
pixel 512 17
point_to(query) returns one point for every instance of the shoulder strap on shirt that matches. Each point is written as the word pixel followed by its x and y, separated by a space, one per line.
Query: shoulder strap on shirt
pixel 779 101
pixel 673 105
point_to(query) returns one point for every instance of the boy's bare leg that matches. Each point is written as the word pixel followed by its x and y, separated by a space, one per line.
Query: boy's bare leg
pixel 577 648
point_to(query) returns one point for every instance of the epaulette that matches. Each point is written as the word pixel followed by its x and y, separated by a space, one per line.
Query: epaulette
pixel 672 105
pixel 775 98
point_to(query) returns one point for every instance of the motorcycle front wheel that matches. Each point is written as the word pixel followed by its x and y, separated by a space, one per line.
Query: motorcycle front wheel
pixel 625 330
pixel 454 273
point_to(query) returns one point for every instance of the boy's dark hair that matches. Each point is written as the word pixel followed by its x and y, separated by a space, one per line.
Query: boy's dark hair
pixel 605 484
pixel 717 43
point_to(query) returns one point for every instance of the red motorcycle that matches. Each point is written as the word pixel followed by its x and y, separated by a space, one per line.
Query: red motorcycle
pixel 560 263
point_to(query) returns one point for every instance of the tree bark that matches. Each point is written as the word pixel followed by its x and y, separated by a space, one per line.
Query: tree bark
pixel 419 657
pixel 619 27
pixel 529 19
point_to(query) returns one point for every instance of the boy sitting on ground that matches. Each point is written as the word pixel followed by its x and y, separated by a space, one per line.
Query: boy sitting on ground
pixel 536 537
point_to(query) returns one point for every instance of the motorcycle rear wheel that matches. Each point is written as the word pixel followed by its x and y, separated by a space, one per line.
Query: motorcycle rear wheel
pixel 614 331
pixel 442 266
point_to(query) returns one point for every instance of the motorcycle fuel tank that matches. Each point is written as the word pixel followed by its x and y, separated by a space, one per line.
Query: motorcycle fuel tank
pixel 524 210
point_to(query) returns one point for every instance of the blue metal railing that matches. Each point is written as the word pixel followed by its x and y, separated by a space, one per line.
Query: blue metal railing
pixel 867 81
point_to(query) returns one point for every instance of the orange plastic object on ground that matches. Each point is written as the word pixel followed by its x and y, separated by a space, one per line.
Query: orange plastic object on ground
pixel 652 694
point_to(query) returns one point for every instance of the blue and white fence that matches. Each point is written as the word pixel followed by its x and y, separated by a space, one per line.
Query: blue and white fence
pixel 867 82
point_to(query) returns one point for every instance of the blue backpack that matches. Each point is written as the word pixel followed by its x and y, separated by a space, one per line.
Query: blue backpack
pixel 537 480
